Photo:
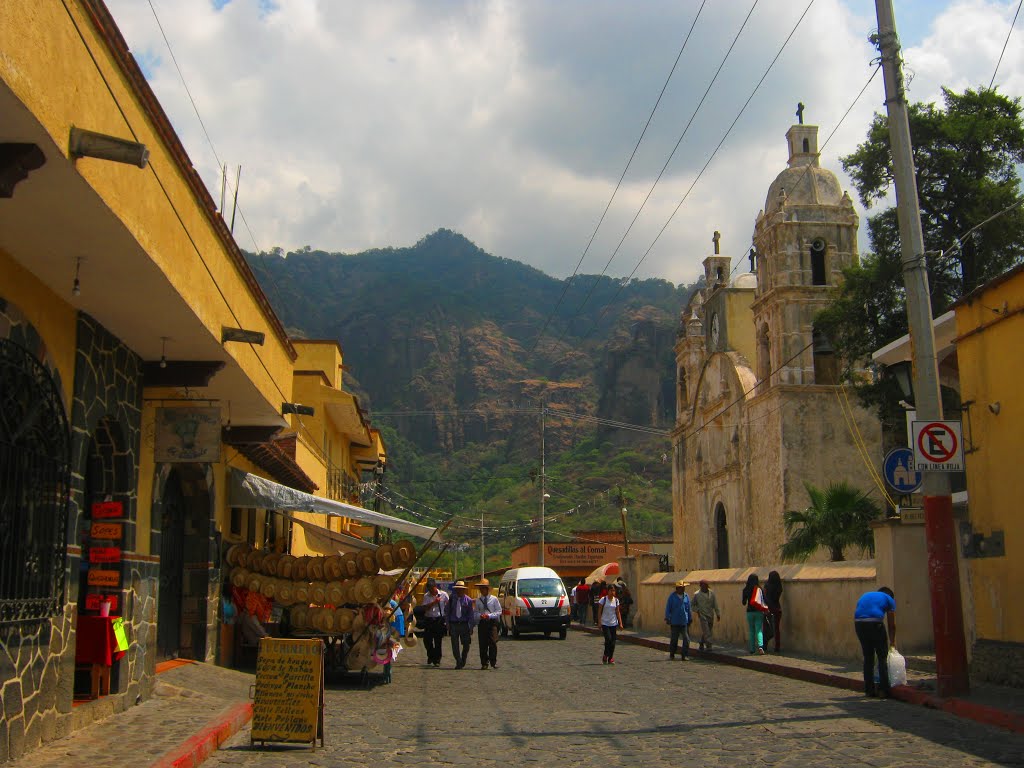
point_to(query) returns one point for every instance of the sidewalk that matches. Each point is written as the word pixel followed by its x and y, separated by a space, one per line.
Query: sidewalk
pixel 194 708
pixel 996 705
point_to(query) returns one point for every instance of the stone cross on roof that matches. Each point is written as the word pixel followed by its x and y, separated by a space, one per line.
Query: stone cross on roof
pixel 800 112
pixel 714 239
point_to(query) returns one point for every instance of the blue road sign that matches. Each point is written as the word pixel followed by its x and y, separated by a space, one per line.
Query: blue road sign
pixel 899 470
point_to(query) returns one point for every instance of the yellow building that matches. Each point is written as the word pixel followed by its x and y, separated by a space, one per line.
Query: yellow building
pixel 990 335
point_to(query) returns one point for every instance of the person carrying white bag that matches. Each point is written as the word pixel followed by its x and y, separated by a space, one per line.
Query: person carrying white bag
pixel 874 612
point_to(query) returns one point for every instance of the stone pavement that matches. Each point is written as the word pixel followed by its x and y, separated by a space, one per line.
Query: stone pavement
pixel 553 702
pixel 185 701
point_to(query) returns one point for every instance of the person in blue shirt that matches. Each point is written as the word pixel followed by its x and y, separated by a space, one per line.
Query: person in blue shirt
pixel 678 617
pixel 874 611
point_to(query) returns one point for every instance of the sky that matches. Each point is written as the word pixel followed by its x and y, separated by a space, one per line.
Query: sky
pixel 369 125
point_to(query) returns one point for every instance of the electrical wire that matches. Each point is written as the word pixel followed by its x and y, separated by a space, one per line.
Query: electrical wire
pixel 618 185
pixel 1005 42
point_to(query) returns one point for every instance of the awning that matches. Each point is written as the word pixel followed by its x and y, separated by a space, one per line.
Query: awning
pixel 339 540
pixel 249 490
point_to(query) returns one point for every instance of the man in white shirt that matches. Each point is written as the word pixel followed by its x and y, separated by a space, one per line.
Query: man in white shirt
pixel 489 610
pixel 435 607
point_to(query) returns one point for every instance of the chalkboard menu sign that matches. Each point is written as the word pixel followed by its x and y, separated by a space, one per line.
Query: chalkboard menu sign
pixel 289 695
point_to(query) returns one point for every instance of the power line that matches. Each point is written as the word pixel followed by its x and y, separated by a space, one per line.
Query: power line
pixel 1005 42
pixel 661 173
pixel 618 185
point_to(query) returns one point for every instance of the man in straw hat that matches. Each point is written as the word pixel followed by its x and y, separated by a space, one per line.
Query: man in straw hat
pixel 678 617
pixel 489 610
pixel 705 605
pixel 460 620
pixel 435 605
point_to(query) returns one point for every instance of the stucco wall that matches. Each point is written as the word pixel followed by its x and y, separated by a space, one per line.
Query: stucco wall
pixel 817 603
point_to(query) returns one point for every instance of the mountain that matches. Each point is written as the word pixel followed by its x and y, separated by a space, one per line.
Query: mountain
pixel 445 347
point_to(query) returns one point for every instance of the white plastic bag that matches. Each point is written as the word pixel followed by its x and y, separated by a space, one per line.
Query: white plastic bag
pixel 897 668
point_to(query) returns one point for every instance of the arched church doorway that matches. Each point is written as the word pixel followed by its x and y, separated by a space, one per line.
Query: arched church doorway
pixel 721 538
pixel 184 518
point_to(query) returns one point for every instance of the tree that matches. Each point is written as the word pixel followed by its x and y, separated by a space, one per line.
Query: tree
pixel 966 157
pixel 838 518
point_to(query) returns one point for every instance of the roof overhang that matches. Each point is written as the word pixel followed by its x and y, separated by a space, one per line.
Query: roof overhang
pixel 901 350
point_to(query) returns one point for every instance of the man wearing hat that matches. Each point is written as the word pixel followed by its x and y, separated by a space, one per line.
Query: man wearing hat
pixel 460 619
pixel 435 605
pixel 678 617
pixel 705 605
pixel 489 610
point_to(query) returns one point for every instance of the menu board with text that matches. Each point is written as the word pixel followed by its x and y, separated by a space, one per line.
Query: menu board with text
pixel 288 705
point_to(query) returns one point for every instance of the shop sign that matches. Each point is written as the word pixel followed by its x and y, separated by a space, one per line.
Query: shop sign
pixel 92 602
pixel 187 434
pixel 107 509
pixel 112 531
pixel 102 578
pixel 288 704
pixel 104 554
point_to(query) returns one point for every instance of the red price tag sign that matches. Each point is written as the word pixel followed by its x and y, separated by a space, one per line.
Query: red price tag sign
pixel 107 509
pixel 92 602
pixel 104 554
pixel 112 531
pixel 100 578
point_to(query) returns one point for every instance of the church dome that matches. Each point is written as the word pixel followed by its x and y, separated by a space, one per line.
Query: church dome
pixel 746 280
pixel 804 185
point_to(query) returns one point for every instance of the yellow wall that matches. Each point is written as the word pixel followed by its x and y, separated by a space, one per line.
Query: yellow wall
pixel 322 356
pixel 991 371
pixel 54 319
pixel 740 323
pixel 42 53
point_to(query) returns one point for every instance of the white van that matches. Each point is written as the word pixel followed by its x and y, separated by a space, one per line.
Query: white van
pixel 533 600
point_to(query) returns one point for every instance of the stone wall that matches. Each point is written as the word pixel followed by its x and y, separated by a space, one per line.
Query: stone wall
pixel 817 603
pixel 998 662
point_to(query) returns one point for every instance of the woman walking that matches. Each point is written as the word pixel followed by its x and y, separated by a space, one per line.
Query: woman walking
pixel 753 598
pixel 611 620
pixel 773 599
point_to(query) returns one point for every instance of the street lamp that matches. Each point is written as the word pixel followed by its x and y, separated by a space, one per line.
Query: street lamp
pixel 625 534
pixel 543 498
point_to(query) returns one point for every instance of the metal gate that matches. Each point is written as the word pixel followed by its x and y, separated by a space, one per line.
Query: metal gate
pixel 35 459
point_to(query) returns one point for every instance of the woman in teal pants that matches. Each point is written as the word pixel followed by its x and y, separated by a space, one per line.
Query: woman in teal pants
pixel 753 598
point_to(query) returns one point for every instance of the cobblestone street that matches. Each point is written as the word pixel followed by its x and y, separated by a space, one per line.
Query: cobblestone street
pixel 553 702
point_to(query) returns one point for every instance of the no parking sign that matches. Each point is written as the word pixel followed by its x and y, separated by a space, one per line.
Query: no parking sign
pixel 938 446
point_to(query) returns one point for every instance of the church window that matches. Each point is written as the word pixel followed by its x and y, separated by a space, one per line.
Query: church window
pixel 826 367
pixel 764 358
pixel 721 538
pixel 807 146
pixel 818 276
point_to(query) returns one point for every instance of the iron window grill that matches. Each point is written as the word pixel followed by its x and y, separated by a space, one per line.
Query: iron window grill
pixel 35 460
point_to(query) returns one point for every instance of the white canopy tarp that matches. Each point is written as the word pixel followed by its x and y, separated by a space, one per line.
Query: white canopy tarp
pixel 327 539
pixel 248 490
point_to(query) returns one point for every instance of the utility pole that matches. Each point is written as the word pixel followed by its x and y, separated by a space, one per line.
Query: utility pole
pixel 944 579
pixel 543 493
pixel 481 545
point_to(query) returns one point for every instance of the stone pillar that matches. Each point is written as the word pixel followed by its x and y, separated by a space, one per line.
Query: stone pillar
pixel 635 569
pixel 901 560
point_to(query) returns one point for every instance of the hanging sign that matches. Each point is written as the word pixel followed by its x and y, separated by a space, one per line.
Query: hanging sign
pixel 107 509
pixel 938 446
pixel 112 531
pixel 104 554
pixel 92 602
pixel 101 578
pixel 187 434
pixel 289 700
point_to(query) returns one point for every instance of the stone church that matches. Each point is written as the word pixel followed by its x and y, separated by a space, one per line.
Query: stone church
pixel 759 409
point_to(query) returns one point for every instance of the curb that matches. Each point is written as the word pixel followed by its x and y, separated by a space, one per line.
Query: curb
pixel 204 743
pixel 968 710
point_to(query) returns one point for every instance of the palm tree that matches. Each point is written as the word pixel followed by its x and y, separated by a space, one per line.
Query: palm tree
pixel 838 518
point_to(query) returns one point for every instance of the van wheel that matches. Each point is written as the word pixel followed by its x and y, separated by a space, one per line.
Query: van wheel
pixel 515 629
pixel 562 633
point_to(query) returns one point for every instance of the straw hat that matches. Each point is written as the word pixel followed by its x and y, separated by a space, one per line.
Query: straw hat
pixel 460 584
pixel 239 577
pixel 318 592
pixel 285 593
pixel 358 623
pixel 349 567
pixel 348 591
pixel 300 571
pixel 254 582
pixel 383 586
pixel 358 656
pixel 300 617
pixel 269 564
pixel 343 619
pixel 285 566
pixel 385 557
pixel 367 562
pixel 315 569
pixel 682 583
pixel 411 640
pixel 269 587
pixel 253 560
pixel 236 554
pixel 335 594
pixel 363 591
pixel 483 583
pixel 381 654
pixel 332 568
pixel 327 620
pixel 302 593
pixel 404 552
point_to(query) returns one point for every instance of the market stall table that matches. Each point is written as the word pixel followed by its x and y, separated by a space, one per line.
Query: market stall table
pixel 96 645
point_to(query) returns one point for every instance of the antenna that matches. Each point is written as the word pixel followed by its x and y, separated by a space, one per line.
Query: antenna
pixel 234 207
pixel 223 187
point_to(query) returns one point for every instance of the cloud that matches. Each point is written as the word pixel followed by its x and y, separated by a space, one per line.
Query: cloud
pixel 362 125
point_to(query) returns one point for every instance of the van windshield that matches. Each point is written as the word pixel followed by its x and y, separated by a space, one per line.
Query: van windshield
pixel 541 588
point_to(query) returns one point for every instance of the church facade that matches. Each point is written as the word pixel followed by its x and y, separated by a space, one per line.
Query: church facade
pixel 759 407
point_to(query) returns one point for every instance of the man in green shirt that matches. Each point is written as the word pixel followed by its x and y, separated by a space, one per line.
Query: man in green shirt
pixel 706 607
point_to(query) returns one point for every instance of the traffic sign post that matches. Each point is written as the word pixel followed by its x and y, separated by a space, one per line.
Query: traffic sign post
pixel 938 446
